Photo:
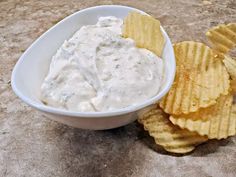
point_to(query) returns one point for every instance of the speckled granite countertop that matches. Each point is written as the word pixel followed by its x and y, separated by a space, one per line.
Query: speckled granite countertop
pixel 31 145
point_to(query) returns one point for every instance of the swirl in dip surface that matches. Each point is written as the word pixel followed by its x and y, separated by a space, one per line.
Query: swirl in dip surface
pixel 98 70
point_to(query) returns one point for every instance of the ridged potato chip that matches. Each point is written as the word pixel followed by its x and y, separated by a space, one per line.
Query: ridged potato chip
pixel 200 79
pixel 230 65
pixel 169 136
pixel 145 31
pixel 222 37
pixel 233 85
pixel 216 122
pixel 233 117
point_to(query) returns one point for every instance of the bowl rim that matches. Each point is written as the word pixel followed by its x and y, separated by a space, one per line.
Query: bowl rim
pixel 63 112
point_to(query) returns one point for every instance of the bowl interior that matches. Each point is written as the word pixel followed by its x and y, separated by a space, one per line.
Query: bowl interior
pixel 32 67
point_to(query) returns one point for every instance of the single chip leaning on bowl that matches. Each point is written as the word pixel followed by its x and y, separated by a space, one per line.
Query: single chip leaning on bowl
pixel 169 136
pixel 200 79
pixel 216 122
pixel 222 37
pixel 145 31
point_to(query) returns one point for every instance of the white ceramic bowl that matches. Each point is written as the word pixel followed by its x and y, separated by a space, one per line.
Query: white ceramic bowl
pixel 33 65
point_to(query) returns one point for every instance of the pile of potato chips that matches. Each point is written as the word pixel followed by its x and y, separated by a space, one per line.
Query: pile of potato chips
pixel 199 105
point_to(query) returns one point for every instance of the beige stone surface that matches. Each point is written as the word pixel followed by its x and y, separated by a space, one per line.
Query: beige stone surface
pixel 31 145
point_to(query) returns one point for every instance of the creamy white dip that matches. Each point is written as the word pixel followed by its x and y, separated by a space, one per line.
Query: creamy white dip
pixel 98 70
